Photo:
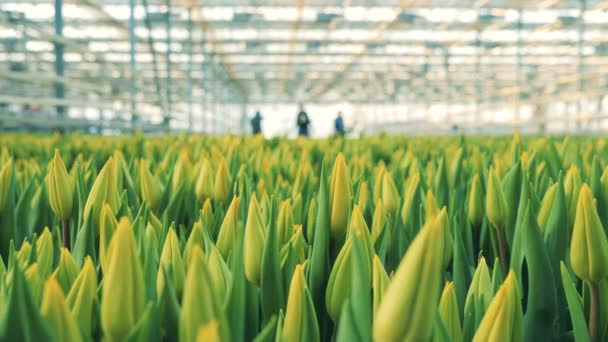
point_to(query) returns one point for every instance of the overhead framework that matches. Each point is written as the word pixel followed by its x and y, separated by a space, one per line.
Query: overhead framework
pixel 196 65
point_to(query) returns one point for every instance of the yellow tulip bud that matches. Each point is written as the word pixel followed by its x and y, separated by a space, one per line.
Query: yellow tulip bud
pixel 475 209
pixel 55 310
pixel 572 186
pixel 285 222
pixel 300 318
pixel 380 282
pixel 409 304
pixel 255 236
pixel 104 190
pixel 339 198
pixel 67 270
pixel 225 238
pixel 196 238
pixel 339 283
pixel 107 226
pixel 220 275
pixel 378 221
pixel 496 203
pixel 442 220
pixel 201 304
pixel 311 219
pixel 378 179
pixel 149 186
pixel 182 173
pixel 359 227
pixel 44 253
pixel 171 262
pixel 222 182
pixel 123 293
pixel 411 189
pixel 207 215
pixel 32 275
pixel 390 194
pixel 204 183
pixel 60 188
pixel 363 196
pixel 6 178
pixel 448 310
pixel 480 289
pixel 81 297
pixel 25 254
pixel 503 321
pixel 589 246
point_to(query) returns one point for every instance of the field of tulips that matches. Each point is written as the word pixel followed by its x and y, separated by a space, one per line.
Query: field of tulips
pixel 194 238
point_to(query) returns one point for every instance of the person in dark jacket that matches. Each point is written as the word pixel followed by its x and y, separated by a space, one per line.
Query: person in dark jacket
pixel 339 125
pixel 256 123
pixel 303 122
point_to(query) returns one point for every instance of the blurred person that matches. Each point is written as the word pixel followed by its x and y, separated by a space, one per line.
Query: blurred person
pixel 339 125
pixel 256 123
pixel 303 122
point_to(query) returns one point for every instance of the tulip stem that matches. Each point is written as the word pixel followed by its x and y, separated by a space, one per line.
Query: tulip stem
pixel 65 232
pixel 594 312
pixel 502 249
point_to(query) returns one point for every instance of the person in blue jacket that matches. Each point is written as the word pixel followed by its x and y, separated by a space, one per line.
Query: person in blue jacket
pixel 256 123
pixel 303 122
pixel 339 125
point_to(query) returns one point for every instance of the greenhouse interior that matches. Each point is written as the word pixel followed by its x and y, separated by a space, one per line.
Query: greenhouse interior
pixel 304 171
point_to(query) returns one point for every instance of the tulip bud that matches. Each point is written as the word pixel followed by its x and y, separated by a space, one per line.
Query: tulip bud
pixel 378 221
pixel 60 188
pixel 201 304
pixel 67 270
pixel 55 310
pixel 496 203
pixel 448 310
pixel 196 238
pixel 149 186
pixel 390 194
pixel 207 216
pixel 300 317
pixel 378 179
pixel 359 227
pixel 339 283
pixel 123 296
pixel 255 235
pixel 409 202
pixel 222 182
pixel 182 172
pixel 104 190
pixel 107 226
pixel 209 332
pixel 204 183
pixel 81 297
pixel 6 178
pixel 589 246
pixel 431 209
pixel 363 196
pixel 220 275
pixel 285 222
pixel 380 282
pixel 32 275
pixel 409 305
pixel 311 219
pixel 44 253
pixel 339 198
pixel 442 220
pixel 572 186
pixel 480 289
pixel 172 263
pixel 504 318
pixel 24 255
pixel 225 238
pixel 475 208
pixel 546 206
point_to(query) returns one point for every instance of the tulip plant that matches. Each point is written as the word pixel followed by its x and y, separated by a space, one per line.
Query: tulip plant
pixel 200 238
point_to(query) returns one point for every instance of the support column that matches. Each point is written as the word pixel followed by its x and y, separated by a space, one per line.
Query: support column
pixel 133 84
pixel 59 87
pixel 169 88
pixel 190 67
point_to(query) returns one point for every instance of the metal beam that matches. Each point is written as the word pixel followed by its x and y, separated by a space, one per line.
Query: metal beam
pixel 59 61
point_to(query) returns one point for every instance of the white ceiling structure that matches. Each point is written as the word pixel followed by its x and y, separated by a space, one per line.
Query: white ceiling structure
pixel 173 61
